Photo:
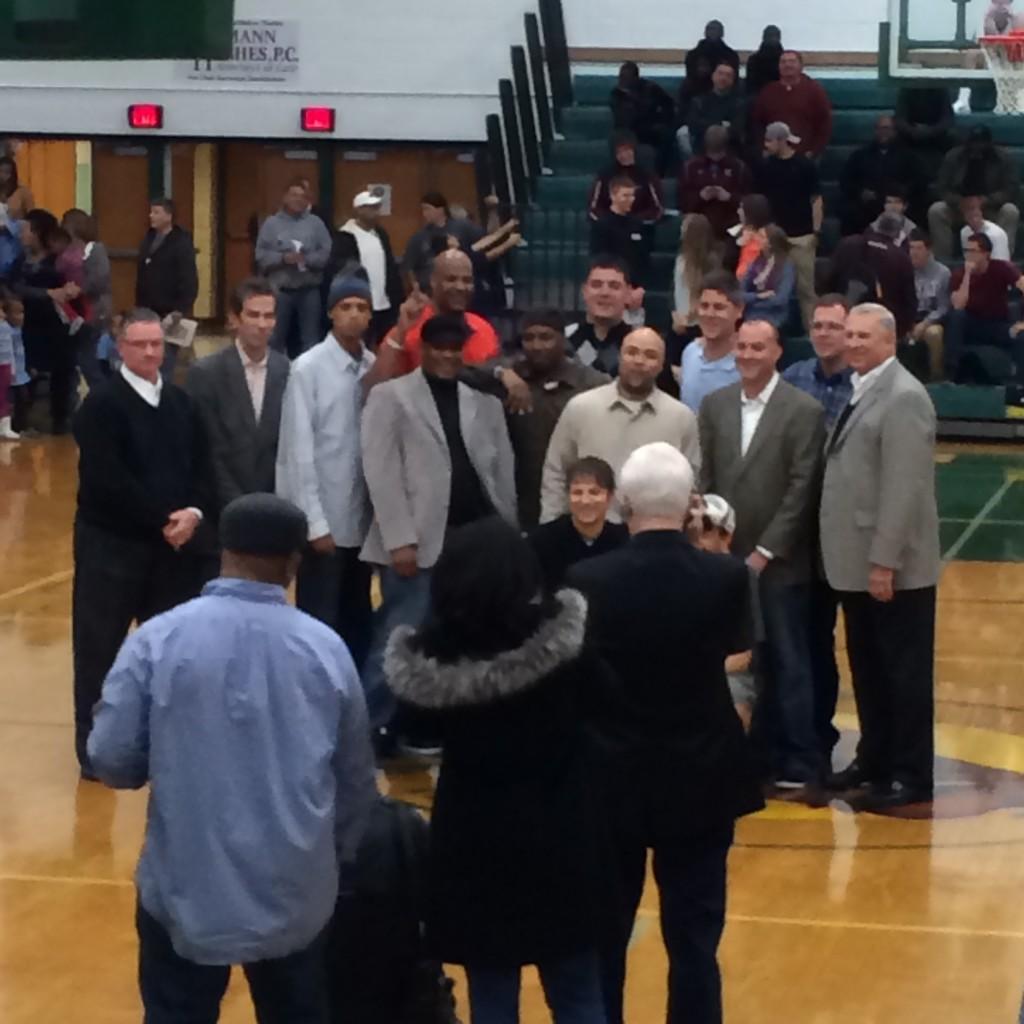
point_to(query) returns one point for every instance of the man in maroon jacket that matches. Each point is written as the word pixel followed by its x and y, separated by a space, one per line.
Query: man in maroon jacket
pixel 798 101
pixel 714 184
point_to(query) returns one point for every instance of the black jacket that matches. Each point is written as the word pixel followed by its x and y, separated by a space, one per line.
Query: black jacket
pixel 344 249
pixel 877 169
pixel 517 871
pixel 674 762
pixel 166 280
pixel 559 546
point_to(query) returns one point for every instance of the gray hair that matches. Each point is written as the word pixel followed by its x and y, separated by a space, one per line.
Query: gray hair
pixel 139 315
pixel 889 225
pixel 885 319
pixel 656 481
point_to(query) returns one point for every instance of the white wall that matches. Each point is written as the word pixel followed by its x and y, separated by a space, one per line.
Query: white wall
pixel 394 69
pixel 841 25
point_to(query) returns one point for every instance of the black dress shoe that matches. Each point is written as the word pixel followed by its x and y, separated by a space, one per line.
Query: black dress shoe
pixel 851 777
pixel 888 798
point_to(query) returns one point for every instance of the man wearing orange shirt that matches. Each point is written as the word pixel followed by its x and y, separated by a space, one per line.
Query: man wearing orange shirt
pixel 451 292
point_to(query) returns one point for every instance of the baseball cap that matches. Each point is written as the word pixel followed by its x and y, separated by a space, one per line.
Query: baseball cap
pixel 719 513
pixel 367 199
pixel 778 131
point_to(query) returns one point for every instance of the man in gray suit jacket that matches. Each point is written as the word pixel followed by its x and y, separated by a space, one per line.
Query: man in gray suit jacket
pixel 239 392
pixel 761 443
pixel 436 456
pixel 880 546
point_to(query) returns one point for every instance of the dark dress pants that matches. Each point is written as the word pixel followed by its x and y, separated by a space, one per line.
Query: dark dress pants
pixel 289 990
pixel 691 878
pixel 824 670
pixel 335 589
pixel 892 657
pixel 117 581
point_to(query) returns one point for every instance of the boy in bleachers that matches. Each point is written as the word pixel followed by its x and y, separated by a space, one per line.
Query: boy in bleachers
pixel 620 232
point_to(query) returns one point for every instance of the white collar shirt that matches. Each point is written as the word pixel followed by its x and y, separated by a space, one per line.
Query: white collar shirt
pixel 751 411
pixel 145 389
pixel 863 384
pixel 255 377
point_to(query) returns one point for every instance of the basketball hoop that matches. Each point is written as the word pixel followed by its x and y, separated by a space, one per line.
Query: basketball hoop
pixel 1005 57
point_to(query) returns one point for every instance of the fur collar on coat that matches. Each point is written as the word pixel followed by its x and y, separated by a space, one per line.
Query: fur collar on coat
pixel 427 683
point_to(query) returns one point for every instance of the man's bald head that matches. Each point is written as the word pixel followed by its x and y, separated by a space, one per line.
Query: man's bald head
pixel 641 359
pixel 451 281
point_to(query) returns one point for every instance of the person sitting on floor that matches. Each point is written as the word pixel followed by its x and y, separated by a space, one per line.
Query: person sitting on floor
pixel 584 532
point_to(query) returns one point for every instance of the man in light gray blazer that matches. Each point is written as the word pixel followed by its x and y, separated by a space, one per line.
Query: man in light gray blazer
pixel 761 443
pixel 880 546
pixel 436 456
pixel 239 392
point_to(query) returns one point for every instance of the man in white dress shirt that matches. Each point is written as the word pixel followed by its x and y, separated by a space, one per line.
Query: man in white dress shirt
pixel 319 467
pixel 762 442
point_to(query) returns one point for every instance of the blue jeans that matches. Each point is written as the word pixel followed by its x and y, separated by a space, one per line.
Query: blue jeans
pixel 784 717
pixel 290 990
pixel 572 988
pixel 404 603
pixel 304 306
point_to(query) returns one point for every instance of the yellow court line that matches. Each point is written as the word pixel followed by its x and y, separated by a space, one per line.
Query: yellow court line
pixel 117 883
pixel 46 581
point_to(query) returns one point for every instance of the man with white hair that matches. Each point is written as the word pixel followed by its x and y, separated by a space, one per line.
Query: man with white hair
pixel 673 768
pixel 612 421
pixel 880 547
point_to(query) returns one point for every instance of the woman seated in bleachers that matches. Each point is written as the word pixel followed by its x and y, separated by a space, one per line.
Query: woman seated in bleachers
pixel 769 281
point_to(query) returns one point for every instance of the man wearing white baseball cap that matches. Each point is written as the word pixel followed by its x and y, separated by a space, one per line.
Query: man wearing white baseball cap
pixel 362 240
pixel 791 184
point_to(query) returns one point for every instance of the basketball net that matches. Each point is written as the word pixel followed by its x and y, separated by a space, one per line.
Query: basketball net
pixel 1005 57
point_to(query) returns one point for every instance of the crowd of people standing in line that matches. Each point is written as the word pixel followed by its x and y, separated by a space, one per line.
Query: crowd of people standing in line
pixel 569 746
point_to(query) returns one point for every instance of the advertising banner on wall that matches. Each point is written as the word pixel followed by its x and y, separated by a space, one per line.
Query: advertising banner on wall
pixel 262 51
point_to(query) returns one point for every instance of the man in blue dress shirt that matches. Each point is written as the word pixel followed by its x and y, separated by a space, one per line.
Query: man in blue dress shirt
pixel 247 719
pixel 827 378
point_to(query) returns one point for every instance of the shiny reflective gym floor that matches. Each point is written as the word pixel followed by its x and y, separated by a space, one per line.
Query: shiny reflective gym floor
pixel 833 919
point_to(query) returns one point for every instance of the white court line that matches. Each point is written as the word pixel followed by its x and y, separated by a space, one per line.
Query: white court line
pixel 117 883
pixel 972 527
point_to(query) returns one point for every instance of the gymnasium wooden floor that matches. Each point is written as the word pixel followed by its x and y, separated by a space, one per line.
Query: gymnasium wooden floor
pixel 833 919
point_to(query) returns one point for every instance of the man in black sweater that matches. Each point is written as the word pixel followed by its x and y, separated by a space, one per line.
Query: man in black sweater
pixel 144 486
pixel 166 280
pixel 619 232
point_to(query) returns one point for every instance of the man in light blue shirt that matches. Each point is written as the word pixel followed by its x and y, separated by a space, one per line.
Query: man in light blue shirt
pixel 709 362
pixel 320 469
pixel 247 719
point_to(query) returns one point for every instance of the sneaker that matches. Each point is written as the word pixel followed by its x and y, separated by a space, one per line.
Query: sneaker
pixel 789 784
pixel 7 432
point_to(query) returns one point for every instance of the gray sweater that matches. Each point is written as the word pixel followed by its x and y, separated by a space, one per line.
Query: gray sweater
pixel 282 233
pixel 932 284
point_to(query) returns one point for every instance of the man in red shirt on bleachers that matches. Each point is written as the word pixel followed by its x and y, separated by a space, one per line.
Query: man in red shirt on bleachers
pixel 451 292
pixel 798 101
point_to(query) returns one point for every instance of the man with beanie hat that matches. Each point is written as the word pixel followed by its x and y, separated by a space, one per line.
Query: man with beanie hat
pixel 319 466
pixel 261 775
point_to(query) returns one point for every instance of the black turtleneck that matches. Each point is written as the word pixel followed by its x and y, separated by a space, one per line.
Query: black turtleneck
pixel 468 500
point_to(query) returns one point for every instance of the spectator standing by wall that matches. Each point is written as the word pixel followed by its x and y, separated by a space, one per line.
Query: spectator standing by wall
pixel 724 105
pixel 17 198
pixel 438 225
pixel 643 108
pixel 976 169
pixel 712 49
pixel 790 183
pixel 93 267
pixel 362 239
pixel 292 251
pixel 166 278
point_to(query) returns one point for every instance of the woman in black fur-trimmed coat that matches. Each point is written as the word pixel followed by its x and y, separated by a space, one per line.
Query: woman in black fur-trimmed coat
pixel 516 870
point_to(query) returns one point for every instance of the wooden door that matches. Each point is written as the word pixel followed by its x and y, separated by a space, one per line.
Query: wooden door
pixel 47 166
pixel 121 207
pixel 255 177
